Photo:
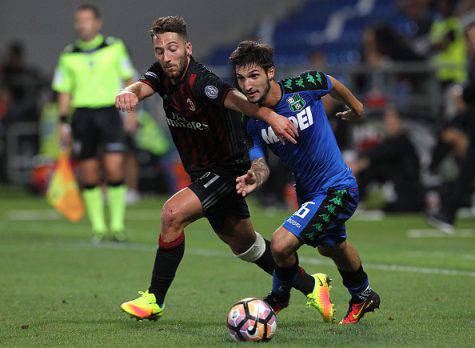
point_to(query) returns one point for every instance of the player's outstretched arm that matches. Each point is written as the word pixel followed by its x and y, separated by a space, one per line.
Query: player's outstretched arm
pixel 254 178
pixel 130 121
pixel 343 94
pixel 283 128
pixel 129 97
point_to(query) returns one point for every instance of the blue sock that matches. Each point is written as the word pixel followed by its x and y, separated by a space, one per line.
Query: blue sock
pixel 284 278
pixel 355 282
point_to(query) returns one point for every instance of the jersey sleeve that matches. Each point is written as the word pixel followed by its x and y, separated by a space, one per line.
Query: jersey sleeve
pixel 256 145
pixel 153 77
pixel 319 83
pixel 126 69
pixel 211 88
pixel 314 83
pixel 63 79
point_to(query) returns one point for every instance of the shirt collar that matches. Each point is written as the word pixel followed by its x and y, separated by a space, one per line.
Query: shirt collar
pixel 90 45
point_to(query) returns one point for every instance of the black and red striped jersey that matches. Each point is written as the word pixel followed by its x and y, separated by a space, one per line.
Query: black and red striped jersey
pixel 205 133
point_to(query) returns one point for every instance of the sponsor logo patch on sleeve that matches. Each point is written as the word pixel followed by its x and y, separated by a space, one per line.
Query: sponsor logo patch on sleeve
pixel 211 92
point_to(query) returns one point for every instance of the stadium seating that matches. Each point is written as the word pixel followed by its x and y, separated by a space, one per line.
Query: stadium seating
pixel 312 28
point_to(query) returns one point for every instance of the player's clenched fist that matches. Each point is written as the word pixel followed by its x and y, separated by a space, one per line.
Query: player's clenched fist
pixel 246 183
pixel 126 101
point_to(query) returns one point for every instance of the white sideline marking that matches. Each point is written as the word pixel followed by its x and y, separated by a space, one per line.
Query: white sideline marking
pixel 32 214
pixel 48 215
pixel 368 215
pixel 398 268
pixel 309 260
pixel 52 215
pixel 432 233
pixel 154 214
pixel 439 253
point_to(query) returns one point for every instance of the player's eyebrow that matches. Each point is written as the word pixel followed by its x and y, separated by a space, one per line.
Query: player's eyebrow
pixel 166 45
pixel 248 73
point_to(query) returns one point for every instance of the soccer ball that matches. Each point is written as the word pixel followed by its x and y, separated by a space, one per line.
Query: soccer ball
pixel 251 319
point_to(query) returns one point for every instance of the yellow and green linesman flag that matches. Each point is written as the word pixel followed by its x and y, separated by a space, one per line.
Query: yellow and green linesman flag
pixel 63 191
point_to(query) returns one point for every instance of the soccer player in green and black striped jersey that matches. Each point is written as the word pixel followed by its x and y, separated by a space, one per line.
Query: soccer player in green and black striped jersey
pixel 89 74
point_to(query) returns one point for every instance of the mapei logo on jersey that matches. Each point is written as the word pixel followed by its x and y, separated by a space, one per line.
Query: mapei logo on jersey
pixel 301 120
pixel 296 102
pixel 175 120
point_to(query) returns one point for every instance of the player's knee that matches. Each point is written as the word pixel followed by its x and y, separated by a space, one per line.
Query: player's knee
pixel 171 230
pixel 280 250
pixel 326 250
pixel 172 222
pixel 331 250
pixel 239 247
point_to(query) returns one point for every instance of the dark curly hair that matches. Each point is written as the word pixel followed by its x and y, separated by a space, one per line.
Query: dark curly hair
pixel 252 52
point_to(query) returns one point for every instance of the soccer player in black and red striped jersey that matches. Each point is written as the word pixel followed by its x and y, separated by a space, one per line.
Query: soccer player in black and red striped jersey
pixel 204 117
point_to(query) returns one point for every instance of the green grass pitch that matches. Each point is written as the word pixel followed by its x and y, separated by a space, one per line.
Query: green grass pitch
pixel 58 289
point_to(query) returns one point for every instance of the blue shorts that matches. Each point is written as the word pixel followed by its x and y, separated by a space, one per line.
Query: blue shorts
pixel 321 221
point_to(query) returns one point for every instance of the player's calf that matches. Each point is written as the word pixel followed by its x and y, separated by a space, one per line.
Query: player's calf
pixel 317 287
pixel 287 273
pixel 363 298
pixel 260 253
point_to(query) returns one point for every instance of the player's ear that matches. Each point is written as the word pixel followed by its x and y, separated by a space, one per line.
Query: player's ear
pixel 271 73
pixel 189 48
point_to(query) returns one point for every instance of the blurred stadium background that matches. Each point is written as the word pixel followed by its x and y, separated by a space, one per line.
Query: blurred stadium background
pixel 386 51
pixel 410 61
